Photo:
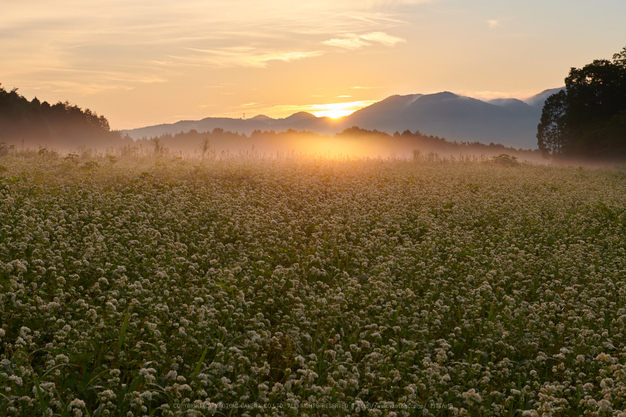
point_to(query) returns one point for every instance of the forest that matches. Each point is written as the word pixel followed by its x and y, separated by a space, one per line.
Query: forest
pixel 61 126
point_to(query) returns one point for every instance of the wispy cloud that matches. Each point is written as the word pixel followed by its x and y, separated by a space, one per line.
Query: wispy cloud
pixel 241 56
pixel 494 23
pixel 86 81
pixel 352 41
pixel 160 39
pixel 71 49
pixel 382 38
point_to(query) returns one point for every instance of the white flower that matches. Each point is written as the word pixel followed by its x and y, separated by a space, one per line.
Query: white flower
pixel 16 380
pixel 61 359
pixel 77 403
pixel 604 405
pixel 472 395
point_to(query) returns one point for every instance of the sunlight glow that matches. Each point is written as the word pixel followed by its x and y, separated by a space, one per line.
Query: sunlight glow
pixel 333 114
pixel 336 110
pixel 333 110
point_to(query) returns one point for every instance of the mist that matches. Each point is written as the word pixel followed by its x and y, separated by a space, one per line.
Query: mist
pixel 351 143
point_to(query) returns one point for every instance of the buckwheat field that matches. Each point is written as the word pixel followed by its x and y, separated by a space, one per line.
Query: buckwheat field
pixel 291 286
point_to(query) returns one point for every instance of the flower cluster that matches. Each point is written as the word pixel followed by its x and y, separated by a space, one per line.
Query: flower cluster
pixel 174 287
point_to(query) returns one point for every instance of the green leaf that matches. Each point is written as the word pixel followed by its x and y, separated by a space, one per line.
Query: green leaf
pixel 120 341
pixel 43 404
pixel 199 365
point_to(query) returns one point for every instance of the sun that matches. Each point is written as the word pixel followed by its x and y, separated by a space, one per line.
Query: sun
pixel 333 114
pixel 337 110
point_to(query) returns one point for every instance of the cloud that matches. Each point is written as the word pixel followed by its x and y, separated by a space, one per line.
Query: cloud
pixel 87 81
pixel 142 42
pixel 242 56
pixel 382 38
pixel 352 41
pixel 494 23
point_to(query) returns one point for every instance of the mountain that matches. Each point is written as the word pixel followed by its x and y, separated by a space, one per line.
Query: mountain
pixel 510 103
pixel 511 122
pixel 539 99
pixel 388 110
pixel 260 117
pixel 297 121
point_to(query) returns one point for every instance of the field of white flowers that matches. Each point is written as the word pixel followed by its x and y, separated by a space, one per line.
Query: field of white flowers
pixel 309 286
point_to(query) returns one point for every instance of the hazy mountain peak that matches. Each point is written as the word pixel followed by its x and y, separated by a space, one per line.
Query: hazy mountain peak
pixel 445 94
pixel 438 98
pixel 301 115
pixel 408 98
pixel 539 99
pixel 513 104
pixel 387 107
pixel 505 101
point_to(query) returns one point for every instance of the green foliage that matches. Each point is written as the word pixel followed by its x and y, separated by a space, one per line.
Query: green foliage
pixel 72 158
pixel 5 149
pixel 90 165
pixel 48 153
pixel 505 160
pixel 588 118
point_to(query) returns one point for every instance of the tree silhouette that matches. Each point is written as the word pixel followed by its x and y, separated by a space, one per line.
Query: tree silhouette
pixel 588 118
pixel 61 124
pixel 206 145
pixel 158 146
pixel 551 135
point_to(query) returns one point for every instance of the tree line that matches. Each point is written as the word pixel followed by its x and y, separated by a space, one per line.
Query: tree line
pixel 588 118
pixel 219 141
pixel 61 125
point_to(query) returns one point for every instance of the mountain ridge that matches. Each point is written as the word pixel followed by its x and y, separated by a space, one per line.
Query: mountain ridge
pixel 509 121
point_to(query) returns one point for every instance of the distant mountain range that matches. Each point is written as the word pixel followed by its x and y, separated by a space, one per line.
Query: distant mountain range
pixel 510 122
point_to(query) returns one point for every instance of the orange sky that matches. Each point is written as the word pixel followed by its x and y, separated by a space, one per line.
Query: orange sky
pixel 146 62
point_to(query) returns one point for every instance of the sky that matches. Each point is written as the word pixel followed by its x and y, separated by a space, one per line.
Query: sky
pixel 146 62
